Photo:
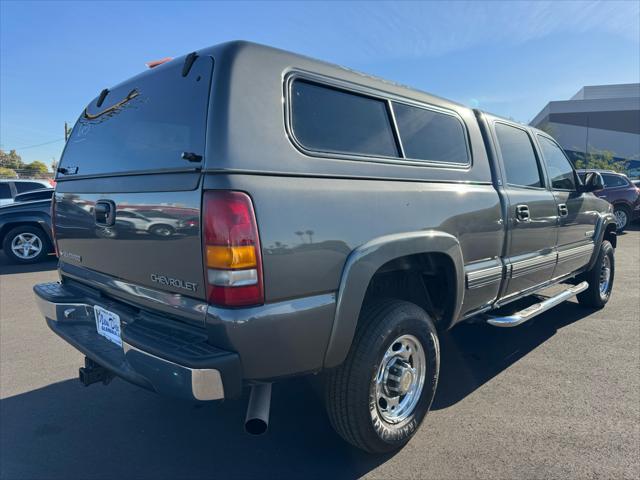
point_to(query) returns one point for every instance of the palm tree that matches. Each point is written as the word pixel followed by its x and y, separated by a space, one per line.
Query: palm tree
pixel 310 234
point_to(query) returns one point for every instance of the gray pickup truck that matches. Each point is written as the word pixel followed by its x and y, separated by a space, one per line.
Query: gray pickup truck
pixel 319 221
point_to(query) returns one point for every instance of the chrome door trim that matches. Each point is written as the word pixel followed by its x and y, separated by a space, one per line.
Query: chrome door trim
pixel 520 268
pixel 576 253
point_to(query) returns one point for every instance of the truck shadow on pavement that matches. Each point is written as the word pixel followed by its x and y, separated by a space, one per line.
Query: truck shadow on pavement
pixel 6 267
pixel 471 355
pixel 67 431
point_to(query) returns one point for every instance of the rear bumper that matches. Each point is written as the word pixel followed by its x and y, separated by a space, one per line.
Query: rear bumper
pixel 157 354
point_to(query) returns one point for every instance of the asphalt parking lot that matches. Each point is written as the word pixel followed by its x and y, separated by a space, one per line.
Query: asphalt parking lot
pixel 558 397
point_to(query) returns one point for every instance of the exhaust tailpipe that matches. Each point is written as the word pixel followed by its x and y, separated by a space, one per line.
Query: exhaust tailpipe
pixel 257 420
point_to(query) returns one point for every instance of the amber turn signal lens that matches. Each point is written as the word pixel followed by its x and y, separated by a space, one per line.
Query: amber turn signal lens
pixel 231 257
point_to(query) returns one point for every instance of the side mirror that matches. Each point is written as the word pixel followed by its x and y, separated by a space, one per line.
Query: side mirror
pixel 592 182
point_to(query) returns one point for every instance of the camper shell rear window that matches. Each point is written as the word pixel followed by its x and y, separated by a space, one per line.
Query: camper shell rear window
pixel 143 124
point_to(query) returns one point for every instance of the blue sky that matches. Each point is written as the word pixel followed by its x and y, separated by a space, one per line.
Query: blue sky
pixel 508 57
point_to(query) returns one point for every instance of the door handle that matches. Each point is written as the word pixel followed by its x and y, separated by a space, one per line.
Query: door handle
pixel 522 213
pixel 105 213
pixel 563 211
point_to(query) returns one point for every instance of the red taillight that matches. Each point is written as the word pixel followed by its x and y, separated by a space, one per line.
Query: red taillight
pixel 233 262
pixel 53 224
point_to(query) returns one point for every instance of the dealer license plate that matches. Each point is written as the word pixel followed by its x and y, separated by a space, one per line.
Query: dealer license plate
pixel 108 325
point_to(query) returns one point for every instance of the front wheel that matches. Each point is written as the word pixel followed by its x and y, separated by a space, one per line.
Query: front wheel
pixel 378 397
pixel 600 278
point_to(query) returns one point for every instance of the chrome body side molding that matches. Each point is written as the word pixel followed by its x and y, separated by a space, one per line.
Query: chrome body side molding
pixel 576 253
pixel 530 265
pixel 483 276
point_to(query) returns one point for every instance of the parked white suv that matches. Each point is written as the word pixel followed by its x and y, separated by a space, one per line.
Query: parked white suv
pixel 151 221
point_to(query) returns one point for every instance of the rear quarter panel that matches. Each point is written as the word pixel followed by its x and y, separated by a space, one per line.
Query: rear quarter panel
pixel 309 226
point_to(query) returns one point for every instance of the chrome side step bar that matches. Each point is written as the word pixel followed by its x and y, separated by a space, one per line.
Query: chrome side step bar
pixel 528 313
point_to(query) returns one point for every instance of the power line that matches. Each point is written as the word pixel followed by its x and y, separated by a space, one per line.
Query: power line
pixel 37 145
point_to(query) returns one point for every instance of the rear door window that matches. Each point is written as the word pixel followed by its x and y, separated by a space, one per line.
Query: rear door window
pixel 144 124
pixel 28 186
pixel 5 191
pixel 328 119
pixel 430 135
pixel 612 181
pixel 519 159
pixel 560 169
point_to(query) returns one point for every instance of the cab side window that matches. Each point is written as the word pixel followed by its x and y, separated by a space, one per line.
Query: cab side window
pixel 560 169
pixel 519 159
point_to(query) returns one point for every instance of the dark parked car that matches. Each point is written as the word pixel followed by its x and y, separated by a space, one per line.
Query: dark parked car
pixel 25 228
pixel 329 223
pixel 9 189
pixel 43 194
pixel 623 194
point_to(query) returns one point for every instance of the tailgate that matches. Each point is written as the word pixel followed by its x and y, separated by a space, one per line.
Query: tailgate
pixel 128 202
pixel 154 240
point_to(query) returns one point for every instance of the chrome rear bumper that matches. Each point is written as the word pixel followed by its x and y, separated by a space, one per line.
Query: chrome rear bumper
pixel 160 355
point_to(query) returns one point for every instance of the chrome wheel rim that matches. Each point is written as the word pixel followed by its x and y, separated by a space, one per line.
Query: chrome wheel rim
pixel 605 276
pixel 107 232
pixel 398 383
pixel 26 246
pixel 621 218
pixel 162 231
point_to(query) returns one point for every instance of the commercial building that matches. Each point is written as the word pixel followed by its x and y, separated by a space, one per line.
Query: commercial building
pixel 597 118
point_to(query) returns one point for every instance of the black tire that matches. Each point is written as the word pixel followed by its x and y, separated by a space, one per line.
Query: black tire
pixel 162 230
pixel 594 296
pixel 622 211
pixel 107 232
pixel 350 389
pixel 32 233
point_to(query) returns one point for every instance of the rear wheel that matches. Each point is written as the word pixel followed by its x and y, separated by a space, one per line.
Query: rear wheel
pixel 378 397
pixel 26 244
pixel 600 278
pixel 623 216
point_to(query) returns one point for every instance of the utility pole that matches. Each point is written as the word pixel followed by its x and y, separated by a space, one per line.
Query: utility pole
pixel 67 131
pixel 586 142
